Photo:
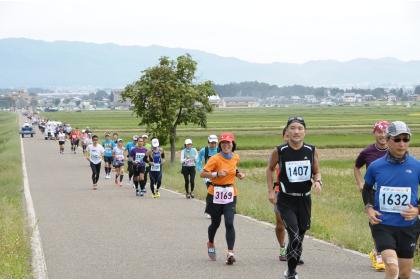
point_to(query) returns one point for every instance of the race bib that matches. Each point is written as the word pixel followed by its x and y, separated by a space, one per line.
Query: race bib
pixel 189 162
pixel 222 195
pixel 155 167
pixel 298 171
pixel 394 199
pixel 139 157
pixel 94 156
pixel 119 157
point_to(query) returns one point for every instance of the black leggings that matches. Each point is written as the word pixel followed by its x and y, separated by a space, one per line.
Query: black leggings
pixel 296 215
pixel 155 178
pixel 189 176
pixel 96 169
pixel 216 211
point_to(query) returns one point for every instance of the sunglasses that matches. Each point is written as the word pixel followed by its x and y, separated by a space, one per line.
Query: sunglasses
pixel 398 140
pixel 295 119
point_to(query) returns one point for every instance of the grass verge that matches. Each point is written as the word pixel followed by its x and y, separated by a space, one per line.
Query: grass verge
pixel 14 241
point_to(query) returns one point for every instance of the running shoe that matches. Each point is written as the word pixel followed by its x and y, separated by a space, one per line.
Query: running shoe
pixel 154 195
pixel 187 196
pixel 211 251
pixel 230 259
pixel 207 216
pixel 137 193
pixel 380 265
pixel 288 275
pixel 372 256
pixel 120 184
pixel 282 256
pixel 116 182
pixel 191 194
pixel 157 194
pixel 301 262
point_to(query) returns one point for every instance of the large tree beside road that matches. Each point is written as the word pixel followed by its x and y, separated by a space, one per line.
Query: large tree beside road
pixel 167 95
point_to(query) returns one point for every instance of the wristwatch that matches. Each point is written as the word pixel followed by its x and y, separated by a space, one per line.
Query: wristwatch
pixel 320 182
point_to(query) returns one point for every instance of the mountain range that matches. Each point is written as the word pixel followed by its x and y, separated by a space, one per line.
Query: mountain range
pixel 35 63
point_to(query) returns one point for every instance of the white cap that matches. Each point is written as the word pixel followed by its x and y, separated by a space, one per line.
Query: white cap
pixel 144 136
pixel 155 142
pixel 212 138
pixel 188 141
pixel 396 128
pixel 135 137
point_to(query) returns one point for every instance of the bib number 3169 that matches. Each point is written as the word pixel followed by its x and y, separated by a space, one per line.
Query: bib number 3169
pixel 223 195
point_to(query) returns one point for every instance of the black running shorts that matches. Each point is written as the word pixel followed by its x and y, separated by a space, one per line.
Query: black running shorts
pixel 400 239
pixel 137 169
pixel 108 160
pixel 295 210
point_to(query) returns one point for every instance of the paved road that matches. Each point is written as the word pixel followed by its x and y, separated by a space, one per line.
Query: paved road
pixel 110 233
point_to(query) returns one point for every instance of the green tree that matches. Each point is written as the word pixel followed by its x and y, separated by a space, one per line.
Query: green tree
pixel 56 101
pixel 166 96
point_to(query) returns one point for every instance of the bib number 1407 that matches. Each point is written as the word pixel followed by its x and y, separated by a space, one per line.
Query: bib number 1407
pixel 298 171
pixel 223 195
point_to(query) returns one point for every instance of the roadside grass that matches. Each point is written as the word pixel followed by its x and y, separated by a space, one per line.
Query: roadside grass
pixel 14 240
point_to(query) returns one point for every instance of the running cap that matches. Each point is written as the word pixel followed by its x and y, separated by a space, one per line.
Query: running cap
pixel 212 138
pixel 188 141
pixel 119 140
pixel 155 142
pixel 300 120
pixel 145 136
pixel 396 128
pixel 135 137
pixel 380 126
pixel 83 131
pixel 227 137
pixel 107 134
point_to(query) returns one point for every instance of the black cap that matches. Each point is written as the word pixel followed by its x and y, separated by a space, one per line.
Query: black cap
pixel 296 119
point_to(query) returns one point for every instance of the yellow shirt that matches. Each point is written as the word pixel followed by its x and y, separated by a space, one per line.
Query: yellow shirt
pixel 218 163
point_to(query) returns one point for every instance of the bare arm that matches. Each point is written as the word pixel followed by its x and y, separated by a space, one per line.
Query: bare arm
pixel 273 159
pixel 317 174
pixel 358 177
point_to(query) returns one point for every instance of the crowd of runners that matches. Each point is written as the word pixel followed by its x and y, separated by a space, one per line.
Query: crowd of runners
pixel 389 188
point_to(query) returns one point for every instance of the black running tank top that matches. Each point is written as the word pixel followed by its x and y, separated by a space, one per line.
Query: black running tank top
pixel 296 168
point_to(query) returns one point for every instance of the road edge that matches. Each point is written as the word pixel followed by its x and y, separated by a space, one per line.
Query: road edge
pixel 39 266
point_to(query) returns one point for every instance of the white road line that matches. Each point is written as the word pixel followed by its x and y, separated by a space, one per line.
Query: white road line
pixel 39 266
pixel 310 237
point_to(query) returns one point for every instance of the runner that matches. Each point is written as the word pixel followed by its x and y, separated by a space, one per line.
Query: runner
pixel 280 229
pixel 148 147
pixel 94 155
pixel 156 158
pixel 85 140
pixel 222 169
pixel 61 136
pixel 74 138
pixel 118 161
pixel 108 145
pixel 299 165
pixel 366 157
pixel 390 195
pixel 130 145
pixel 205 153
pixel 115 137
pixel 189 157
pixel 138 154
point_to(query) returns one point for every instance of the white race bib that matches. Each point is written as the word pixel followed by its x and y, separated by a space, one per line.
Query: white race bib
pixel 119 157
pixel 394 199
pixel 155 167
pixel 298 171
pixel 222 195
pixel 94 156
pixel 139 157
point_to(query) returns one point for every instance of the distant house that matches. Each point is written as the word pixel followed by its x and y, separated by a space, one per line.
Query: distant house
pixel 391 98
pixel 118 103
pixel 349 97
pixel 368 97
pixel 295 99
pixel 239 102
pixel 310 99
pixel 215 101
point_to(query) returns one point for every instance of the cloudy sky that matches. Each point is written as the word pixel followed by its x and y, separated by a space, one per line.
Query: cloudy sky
pixel 258 31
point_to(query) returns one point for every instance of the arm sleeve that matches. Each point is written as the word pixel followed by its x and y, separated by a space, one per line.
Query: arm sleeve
pixel 199 160
pixel 368 194
pixel 182 156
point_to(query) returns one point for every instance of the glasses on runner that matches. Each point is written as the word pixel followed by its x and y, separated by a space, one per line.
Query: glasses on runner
pixel 296 119
pixel 398 140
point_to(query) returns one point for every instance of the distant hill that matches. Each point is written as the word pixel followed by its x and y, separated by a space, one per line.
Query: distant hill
pixel 34 63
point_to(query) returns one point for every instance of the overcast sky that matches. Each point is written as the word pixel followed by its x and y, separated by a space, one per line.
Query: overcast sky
pixel 257 31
